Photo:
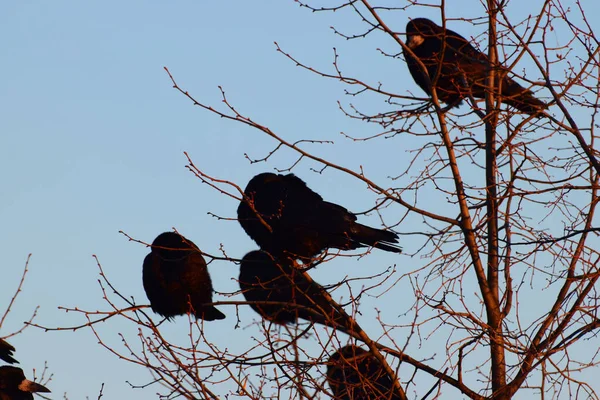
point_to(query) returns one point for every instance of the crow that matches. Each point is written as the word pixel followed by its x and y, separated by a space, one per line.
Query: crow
pixel 463 70
pixel 175 277
pixel 14 386
pixel 355 374
pixel 284 217
pixel 281 293
pixel 6 352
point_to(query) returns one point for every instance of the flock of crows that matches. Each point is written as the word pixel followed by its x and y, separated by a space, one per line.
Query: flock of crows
pixel 290 222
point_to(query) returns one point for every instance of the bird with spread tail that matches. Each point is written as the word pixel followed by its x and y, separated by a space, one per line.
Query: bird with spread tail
pixel 176 279
pixel 6 352
pixel 14 386
pixel 284 217
pixel 355 374
pixel 282 293
pixel 457 69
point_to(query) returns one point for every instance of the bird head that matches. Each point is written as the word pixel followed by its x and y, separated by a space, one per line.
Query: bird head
pixel 172 246
pixel 32 387
pixel 346 354
pixel 420 29
pixel 264 178
pixel 12 378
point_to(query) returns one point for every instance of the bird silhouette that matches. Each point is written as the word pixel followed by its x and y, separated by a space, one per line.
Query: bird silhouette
pixel 14 386
pixel 463 70
pixel 281 293
pixel 6 352
pixel 284 217
pixel 175 277
pixel 355 374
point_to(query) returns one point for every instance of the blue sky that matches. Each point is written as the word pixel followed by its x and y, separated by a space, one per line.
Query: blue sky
pixel 93 136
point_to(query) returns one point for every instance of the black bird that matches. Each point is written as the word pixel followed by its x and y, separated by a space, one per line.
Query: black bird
pixel 463 69
pixel 14 386
pixel 6 352
pixel 297 222
pixel 355 374
pixel 175 277
pixel 292 294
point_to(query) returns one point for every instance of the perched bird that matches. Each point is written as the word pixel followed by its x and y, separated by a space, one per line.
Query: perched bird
pixel 284 216
pixel 355 374
pixel 14 386
pixel 463 70
pixel 6 352
pixel 175 276
pixel 281 293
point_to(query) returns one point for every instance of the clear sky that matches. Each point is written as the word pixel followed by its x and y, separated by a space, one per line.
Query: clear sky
pixel 92 138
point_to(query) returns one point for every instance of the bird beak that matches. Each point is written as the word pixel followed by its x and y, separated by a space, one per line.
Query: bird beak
pixel 413 41
pixel 29 386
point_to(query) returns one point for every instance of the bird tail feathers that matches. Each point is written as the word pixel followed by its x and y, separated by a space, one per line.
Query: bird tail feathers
pixel 209 313
pixel 384 240
pixel 522 99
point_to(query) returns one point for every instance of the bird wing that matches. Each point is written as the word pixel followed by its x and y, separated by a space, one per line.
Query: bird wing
pixel 196 282
pixel 6 352
pixel 314 301
pixel 151 278
pixel 463 49
pixel 294 293
pixel 469 63
pixel 308 216
pixel 307 208
pixel 261 281
pixel 297 186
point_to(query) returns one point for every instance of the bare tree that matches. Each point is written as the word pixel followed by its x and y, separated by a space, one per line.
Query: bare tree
pixel 496 206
